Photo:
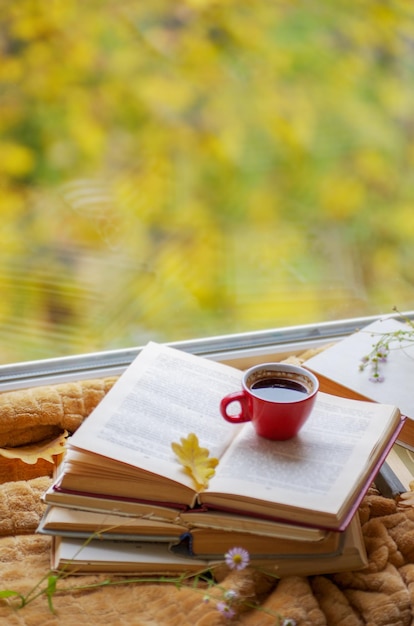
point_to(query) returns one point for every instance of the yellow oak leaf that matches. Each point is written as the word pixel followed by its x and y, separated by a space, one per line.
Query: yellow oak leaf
pixel 33 452
pixel 195 460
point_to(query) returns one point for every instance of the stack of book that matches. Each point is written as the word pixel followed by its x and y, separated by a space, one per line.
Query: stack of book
pixel 122 502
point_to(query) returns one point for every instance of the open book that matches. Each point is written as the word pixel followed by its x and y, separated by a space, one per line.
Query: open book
pixel 123 450
pixel 122 557
pixel 337 368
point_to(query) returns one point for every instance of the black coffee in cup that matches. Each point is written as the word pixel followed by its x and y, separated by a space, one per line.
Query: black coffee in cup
pixel 276 397
pixel 279 389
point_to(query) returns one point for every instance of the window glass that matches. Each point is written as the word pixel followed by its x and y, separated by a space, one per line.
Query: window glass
pixel 176 169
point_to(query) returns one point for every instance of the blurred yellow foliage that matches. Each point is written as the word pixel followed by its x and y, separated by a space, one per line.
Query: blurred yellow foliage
pixel 15 159
pixel 177 168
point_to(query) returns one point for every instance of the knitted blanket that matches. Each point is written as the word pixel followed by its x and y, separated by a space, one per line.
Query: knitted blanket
pixel 382 594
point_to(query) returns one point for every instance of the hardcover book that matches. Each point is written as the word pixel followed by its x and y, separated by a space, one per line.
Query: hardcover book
pixel 122 557
pixel 338 371
pixel 123 449
pixel 201 542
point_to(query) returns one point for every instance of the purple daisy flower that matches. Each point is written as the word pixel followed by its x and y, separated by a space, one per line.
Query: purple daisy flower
pixel 225 610
pixel 376 378
pixel 237 558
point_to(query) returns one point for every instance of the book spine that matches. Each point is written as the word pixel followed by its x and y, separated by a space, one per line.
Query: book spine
pixel 184 545
pixel 388 483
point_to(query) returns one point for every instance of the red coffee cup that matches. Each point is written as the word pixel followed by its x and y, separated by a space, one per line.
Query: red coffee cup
pixel 276 397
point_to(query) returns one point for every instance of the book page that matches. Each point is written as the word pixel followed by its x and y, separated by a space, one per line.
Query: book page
pixel 315 469
pixel 77 551
pixel 164 395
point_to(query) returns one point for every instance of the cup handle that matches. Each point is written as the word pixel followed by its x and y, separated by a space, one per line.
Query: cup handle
pixel 242 399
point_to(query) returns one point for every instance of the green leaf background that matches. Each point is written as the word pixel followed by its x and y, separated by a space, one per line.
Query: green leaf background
pixel 173 169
